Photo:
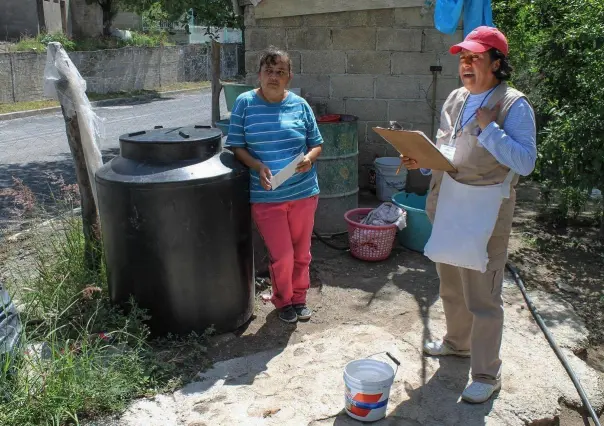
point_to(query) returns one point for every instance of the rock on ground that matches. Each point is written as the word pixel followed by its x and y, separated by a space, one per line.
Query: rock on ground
pixel 302 384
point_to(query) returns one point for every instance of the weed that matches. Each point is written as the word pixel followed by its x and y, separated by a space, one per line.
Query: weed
pixel 80 356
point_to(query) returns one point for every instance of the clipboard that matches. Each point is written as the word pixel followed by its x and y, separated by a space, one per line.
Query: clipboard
pixel 415 144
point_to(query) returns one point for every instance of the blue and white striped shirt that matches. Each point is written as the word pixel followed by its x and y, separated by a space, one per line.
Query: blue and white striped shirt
pixel 275 133
pixel 514 146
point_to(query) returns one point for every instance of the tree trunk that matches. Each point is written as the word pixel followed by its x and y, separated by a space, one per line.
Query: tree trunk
pixel 90 215
pixel 216 86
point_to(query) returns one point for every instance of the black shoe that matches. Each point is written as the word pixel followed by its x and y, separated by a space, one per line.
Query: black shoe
pixel 302 312
pixel 288 314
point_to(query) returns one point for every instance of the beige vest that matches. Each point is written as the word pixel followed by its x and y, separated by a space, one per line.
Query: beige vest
pixel 476 165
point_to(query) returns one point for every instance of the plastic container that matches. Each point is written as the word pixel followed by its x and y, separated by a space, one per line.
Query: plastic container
pixel 368 383
pixel 232 90
pixel 177 230
pixel 417 232
pixel 368 242
pixel 388 182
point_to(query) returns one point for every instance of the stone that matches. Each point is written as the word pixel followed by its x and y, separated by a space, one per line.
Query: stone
pixel 354 38
pixel 410 111
pixel 368 63
pixel 435 41
pixel 309 39
pixel 261 38
pixel 367 109
pixel 323 62
pixel 313 85
pixel 403 87
pixel 352 86
pixel 400 40
pixel 412 17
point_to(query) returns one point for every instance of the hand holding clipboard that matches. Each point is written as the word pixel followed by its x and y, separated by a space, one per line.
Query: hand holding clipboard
pixel 415 144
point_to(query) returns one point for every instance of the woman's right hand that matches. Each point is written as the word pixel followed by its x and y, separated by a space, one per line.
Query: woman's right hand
pixel 409 163
pixel 265 176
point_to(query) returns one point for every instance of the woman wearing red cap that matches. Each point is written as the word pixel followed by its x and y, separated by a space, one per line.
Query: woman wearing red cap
pixel 487 131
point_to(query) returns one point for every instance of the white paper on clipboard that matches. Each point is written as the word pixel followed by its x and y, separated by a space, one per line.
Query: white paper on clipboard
pixel 286 172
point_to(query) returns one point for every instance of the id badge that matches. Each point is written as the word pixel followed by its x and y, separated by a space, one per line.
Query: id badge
pixel 448 151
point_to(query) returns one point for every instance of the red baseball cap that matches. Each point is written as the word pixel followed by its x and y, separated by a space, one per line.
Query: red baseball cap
pixel 482 39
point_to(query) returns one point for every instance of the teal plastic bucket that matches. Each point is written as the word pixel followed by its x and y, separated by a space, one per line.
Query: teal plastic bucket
pixel 224 126
pixel 232 90
pixel 417 232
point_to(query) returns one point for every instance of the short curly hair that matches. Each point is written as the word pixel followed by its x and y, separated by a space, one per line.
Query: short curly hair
pixel 272 55
pixel 504 72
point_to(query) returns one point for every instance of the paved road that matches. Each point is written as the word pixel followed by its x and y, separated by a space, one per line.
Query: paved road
pixel 32 147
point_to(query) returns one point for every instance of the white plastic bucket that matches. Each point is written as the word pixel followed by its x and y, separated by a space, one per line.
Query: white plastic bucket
pixel 368 383
pixel 388 182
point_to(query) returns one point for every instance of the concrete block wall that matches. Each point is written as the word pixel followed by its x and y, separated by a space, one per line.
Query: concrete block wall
pixel 117 70
pixel 374 64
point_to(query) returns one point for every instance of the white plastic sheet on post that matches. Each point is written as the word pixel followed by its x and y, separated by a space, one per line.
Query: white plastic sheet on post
pixel 63 81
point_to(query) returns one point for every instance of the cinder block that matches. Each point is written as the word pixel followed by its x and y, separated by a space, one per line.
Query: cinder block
pixel 401 40
pixel 296 58
pixel 249 17
pixel 412 17
pixel 368 63
pixel 325 20
pixel 261 38
pixel 355 38
pixel 323 62
pixel 444 86
pixel 435 41
pixel 352 86
pixel 356 18
pixel 415 112
pixel 309 38
pixel 285 22
pixel 402 87
pixel 312 85
pixel 251 62
pixel 367 109
pixel 380 18
pixel 335 106
pixel 412 63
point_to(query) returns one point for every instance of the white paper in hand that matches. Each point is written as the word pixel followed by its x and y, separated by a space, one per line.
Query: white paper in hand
pixel 286 172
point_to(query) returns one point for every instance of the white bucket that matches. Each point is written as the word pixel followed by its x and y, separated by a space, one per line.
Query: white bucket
pixel 368 383
pixel 387 181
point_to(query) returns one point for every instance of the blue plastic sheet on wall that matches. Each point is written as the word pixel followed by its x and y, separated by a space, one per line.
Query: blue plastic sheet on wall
pixel 475 14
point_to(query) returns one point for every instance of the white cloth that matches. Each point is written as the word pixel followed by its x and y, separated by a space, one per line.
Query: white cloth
pixel 461 231
pixel 386 214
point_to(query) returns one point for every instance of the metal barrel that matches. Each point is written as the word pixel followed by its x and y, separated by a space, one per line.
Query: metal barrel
pixel 338 174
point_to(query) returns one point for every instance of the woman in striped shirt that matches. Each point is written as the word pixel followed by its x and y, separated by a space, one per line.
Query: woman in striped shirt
pixel 270 126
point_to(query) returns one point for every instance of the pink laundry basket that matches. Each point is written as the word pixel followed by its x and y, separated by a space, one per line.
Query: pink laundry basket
pixel 368 242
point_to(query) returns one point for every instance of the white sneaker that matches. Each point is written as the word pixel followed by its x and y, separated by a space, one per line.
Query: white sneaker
pixel 440 348
pixel 478 392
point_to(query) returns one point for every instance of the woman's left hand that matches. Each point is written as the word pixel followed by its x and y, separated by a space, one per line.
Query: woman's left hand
pixel 304 165
pixel 486 116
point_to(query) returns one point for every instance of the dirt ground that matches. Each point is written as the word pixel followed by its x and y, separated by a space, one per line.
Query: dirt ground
pixel 348 291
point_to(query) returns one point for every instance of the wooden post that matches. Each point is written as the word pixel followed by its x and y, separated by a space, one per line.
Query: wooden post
pixel 90 215
pixel 216 86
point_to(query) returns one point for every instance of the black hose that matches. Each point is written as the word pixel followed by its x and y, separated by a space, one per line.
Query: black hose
pixel 553 345
pixel 329 244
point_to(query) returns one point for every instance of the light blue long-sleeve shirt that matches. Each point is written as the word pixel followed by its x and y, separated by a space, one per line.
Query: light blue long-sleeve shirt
pixel 514 146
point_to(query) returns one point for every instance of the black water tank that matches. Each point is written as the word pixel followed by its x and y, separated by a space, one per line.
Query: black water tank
pixel 176 226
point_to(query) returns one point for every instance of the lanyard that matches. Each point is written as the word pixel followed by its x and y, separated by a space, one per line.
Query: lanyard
pixel 463 107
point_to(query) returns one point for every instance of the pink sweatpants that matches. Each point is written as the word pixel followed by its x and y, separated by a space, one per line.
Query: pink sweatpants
pixel 287 229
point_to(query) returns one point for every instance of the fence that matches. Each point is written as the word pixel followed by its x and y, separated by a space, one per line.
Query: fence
pixel 118 70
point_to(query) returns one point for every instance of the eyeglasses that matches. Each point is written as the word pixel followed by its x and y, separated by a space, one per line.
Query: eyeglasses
pixel 277 73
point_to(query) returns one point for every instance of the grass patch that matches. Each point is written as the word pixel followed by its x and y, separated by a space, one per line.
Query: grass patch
pixel 80 357
pixel 34 105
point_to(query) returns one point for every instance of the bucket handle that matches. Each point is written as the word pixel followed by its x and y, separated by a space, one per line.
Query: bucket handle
pixel 392 358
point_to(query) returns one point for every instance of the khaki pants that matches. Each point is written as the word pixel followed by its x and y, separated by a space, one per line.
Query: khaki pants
pixel 474 313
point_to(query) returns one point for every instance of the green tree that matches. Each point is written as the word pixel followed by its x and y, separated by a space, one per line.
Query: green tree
pixel 558 53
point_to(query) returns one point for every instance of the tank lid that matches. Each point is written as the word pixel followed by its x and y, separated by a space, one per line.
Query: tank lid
pixel 171 144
